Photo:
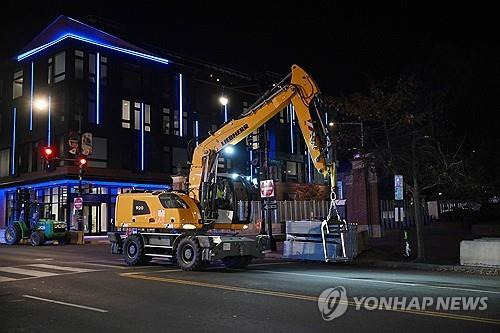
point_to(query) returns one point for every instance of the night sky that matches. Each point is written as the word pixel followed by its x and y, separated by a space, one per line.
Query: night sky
pixel 344 47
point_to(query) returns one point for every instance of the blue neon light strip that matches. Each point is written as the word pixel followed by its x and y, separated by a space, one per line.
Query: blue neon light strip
pixel 251 165
pixel 49 124
pixel 94 182
pixel 196 131
pixel 98 79
pixel 291 126
pixel 93 42
pixel 180 104
pixel 225 113
pixel 13 150
pixel 31 97
pixel 308 166
pixel 142 136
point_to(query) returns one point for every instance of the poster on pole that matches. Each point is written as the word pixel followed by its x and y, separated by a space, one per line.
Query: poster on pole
pixel 398 187
pixel 87 143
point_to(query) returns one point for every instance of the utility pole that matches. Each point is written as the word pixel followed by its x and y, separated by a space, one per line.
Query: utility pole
pixel 267 202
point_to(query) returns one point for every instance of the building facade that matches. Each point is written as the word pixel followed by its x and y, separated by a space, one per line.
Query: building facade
pixel 146 110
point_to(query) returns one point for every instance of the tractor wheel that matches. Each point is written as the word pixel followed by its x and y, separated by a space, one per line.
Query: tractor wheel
pixel 237 261
pixel 189 255
pixel 12 234
pixel 36 238
pixel 133 250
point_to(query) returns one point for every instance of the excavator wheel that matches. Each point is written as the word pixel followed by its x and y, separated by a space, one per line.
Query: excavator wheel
pixel 189 255
pixel 133 250
pixel 237 261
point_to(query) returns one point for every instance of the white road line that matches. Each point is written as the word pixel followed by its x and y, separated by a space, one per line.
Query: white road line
pixel 4 279
pixel 63 268
pixel 272 263
pixel 67 304
pixel 407 284
pixel 104 265
pixel 28 272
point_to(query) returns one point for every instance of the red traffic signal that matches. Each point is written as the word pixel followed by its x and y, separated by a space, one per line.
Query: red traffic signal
pixel 82 161
pixel 48 153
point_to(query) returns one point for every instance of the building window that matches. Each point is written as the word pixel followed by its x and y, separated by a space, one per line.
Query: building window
pixel 92 67
pixel 91 108
pixel 79 64
pixel 166 121
pixel 104 70
pixel 137 116
pixel 125 114
pixel 147 117
pixel 176 123
pixel 49 71
pixel 4 162
pixel 59 67
pixel 17 84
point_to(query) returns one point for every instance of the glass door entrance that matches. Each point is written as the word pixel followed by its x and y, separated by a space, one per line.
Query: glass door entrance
pixel 95 218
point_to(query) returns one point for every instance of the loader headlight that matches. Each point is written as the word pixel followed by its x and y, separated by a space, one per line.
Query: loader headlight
pixel 188 226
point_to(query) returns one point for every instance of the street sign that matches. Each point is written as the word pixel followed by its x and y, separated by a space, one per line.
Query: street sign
pixel 78 203
pixel 270 205
pixel 87 143
pixel 266 188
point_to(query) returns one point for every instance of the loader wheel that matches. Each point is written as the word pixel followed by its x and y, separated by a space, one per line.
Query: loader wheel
pixel 36 238
pixel 189 255
pixel 237 261
pixel 12 234
pixel 133 250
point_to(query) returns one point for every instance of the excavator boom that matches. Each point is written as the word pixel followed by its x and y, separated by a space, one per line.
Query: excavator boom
pixel 301 91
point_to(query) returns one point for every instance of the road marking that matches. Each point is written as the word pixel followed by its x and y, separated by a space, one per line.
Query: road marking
pixel 63 268
pixel 307 298
pixel 104 265
pixel 272 263
pixel 28 272
pixel 67 304
pixel 35 274
pixel 45 259
pixel 408 284
pixel 4 279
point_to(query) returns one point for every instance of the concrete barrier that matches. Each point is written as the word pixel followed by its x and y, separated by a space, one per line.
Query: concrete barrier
pixel 480 252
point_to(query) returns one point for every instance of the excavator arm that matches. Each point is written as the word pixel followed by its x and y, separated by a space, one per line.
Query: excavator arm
pixel 302 92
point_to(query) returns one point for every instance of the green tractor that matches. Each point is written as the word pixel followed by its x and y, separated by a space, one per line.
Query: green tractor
pixel 27 224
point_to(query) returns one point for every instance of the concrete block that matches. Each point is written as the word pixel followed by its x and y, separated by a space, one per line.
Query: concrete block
pixel 480 252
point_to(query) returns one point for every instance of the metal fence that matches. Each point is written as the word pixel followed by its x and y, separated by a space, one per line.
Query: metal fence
pixel 400 215
pixel 285 211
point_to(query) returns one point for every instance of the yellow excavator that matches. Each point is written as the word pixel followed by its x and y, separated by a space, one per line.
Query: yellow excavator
pixel 183 225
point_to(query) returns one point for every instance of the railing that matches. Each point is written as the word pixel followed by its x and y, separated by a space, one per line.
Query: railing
pixel 285 211
pixel 400 216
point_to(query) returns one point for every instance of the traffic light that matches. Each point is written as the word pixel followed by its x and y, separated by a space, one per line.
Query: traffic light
pixel 82 163
pixel 49 154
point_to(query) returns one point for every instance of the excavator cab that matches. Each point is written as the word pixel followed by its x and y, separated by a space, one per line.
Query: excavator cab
pixel 233 195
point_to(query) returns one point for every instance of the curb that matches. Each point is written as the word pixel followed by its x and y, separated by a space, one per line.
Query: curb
pixel 489 271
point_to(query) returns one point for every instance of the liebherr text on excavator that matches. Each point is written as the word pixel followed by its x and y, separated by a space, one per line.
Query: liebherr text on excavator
pixel 184 225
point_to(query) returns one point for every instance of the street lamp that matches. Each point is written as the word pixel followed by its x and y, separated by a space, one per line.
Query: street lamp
pixel 41 104
pixel 224 101
pixel 229 150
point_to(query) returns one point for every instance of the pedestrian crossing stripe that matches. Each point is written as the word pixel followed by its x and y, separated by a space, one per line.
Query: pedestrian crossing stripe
pixel 31 272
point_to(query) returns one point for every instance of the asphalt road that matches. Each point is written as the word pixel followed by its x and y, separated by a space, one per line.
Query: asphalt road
pixel 85 289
